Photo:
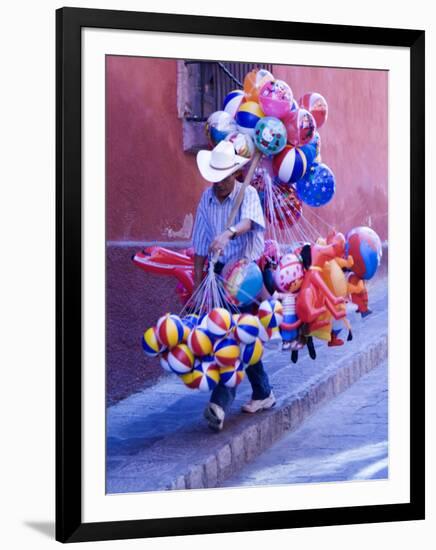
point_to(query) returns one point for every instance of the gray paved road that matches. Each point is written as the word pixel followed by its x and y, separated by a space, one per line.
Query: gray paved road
pixel 347 439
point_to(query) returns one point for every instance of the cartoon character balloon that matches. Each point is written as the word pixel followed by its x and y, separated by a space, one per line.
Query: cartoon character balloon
pixel 300 126
pixel 316 105
pixel 270 135
pixel 253 82
pixel 275 98
pixel 242 143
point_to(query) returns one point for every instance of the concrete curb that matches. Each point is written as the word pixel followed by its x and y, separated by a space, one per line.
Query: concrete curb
pixel 267 427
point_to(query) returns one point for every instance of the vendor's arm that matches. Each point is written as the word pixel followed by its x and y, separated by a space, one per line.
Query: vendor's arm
pixel 221 240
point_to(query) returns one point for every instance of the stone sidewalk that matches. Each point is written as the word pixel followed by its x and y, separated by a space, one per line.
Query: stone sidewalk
pixel 345 440
pixel 158 440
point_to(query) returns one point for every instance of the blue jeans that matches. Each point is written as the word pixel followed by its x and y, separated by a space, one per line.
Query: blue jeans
pixel 260 385
pixel 223 396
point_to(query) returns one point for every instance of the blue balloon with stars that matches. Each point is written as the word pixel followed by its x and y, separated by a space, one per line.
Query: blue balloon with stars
pixel 317 187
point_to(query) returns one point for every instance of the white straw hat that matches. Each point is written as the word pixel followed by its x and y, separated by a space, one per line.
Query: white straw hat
pixel 219 163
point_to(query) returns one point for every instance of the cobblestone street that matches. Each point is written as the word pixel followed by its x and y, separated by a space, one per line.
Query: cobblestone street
pixel 347 439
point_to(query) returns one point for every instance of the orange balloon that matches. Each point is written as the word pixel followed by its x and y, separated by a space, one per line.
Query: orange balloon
pixel 253 82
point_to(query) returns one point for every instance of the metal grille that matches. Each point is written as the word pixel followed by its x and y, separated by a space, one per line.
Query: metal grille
pixel 212 81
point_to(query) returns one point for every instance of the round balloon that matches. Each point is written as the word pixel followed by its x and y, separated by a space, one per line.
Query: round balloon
pixel 191 320
pixel 248 116
pixel 270 313
pixel 150 343
pixel 270 135
pixel 253 82
pixel 291 164
pixel 247 328
pixel 252 353
pixel 275 98
pixel 242 281
pixel 286 207
pixel 219 322
pixel 218 126
pixel 233 101
pixel 364 245
pixel 242 143
pixel 318 188
pixel 300 126
pixel 199 342
pixel 204 376
pixel 180 359
pixel 226 352
pixel 232 375
pixel 317 106
pixel 170 330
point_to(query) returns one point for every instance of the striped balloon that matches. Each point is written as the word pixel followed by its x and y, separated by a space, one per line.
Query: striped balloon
pixel 232 375
pixel 199 342
pixel 252 353
pixel 219 322
pixel 248 116
pixel 233 101
pixel 150 344
pixel 290 165
pixel 204 376
pixel 247 328
pixel 270 313
pixel 191 320
pixel 226 352
pixel 180 359
pixel 170 330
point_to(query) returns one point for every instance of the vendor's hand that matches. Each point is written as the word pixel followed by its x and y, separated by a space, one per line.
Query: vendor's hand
pixel 220 242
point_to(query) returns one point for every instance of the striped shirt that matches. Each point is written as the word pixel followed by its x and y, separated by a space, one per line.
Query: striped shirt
pixel 211 220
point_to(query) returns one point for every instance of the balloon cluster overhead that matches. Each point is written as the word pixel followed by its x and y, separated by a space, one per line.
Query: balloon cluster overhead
pixel 266 115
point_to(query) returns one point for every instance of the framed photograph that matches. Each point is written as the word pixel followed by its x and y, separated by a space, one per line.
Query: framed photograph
pixel 240 309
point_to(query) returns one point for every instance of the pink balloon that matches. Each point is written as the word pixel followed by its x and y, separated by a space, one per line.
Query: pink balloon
pixel 300 126
pixel 275 98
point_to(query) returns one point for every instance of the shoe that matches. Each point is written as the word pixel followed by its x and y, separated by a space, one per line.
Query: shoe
pixel 256 405
pixel 286 346
pixel 214 414
pixel 335 341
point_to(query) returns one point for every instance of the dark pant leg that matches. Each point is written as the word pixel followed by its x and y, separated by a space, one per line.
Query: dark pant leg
pixel 223 396
pixel 259 381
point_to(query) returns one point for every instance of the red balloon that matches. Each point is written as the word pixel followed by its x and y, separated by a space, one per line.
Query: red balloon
pixel 317 106
pixel 300 126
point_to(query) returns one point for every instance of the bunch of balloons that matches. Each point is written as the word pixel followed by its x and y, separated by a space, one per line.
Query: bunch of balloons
pixel 218 346
pixel 266 115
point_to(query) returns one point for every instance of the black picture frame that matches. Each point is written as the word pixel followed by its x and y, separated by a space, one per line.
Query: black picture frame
pixel 69 22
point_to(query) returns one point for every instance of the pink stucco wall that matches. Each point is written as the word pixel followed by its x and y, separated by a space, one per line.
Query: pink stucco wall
pixel 152 184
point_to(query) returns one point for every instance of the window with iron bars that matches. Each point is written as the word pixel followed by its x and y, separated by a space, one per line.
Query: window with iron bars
pixel 202 88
